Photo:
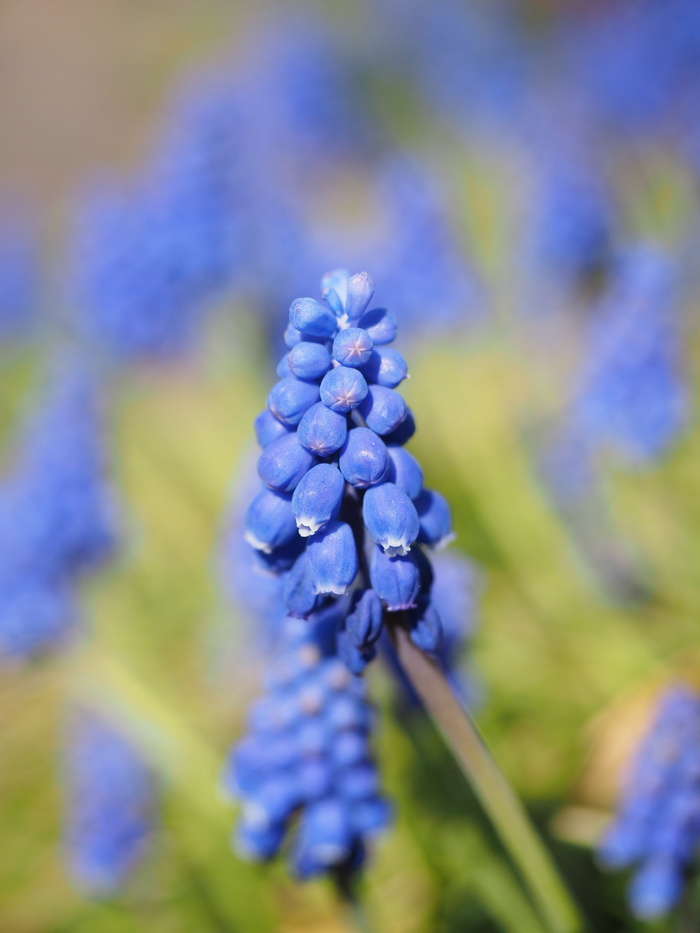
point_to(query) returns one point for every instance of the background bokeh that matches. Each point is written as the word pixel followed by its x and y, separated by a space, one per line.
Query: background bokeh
pixel 521 181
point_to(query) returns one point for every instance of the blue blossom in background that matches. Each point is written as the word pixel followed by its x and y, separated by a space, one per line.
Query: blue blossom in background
pixel 632 395
pixel 569 219
pixel 657 829
pixel 635 60
pixel 149 257
pixel 468 61
pixel 110 801
pixel 307 754
pixel 58 517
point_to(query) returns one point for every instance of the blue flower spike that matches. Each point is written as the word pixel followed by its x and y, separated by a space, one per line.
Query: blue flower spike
pixel 343 520
pixel 657 827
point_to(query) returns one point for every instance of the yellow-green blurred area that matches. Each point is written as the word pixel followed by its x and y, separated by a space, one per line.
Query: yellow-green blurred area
pixel 568 670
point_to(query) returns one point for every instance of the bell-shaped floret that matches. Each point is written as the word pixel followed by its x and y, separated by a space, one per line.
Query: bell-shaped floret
pixel 334 289
pixel 268 428
pixel 269 521
pixel 396 580
pixel 435 519
pixel 426 628
pixel 300 596
pixel 403 433
pixel 317 498
pixel 352 347
pixel 324 839
pixel 405 471
pixel 333 559
pixel 282 369
pixel 385 367
pixel 363 458
pixel 291 398
pixel 322 431
pixel 380 324
pixel 364 619
pixel 383 409
pixel 309 360
pixel 256 842
pixel 283 463
pixel 360 290
pixel 311 319
pixel 343 389
pixel 391 518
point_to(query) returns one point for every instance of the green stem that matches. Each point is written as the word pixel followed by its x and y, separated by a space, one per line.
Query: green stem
pixel 347 893
pixel 496 795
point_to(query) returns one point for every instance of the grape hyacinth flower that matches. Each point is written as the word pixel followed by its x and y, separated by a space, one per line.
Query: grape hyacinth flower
pixel 57 518
pixel 109 807
pixel 657 829
pixel 342 518
pixel 307 752
pixel 333 463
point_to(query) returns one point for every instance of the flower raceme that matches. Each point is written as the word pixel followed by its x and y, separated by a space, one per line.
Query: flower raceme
pixel 343 509
pixel 340 521
pixel 657 829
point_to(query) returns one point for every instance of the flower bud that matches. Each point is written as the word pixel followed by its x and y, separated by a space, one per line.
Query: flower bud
pixel 317 498
pixel 380 324
pixel 258 842
pixel 311 319
pixel 322 431
pixel 363 458
pixel 395 580
pixel 426 627
pixel 282 369
pixel 360 291
pixel 269 521
pixel 334 289
pixel 404 432
pixel 391 518
pixel 268 428
pixel 309 360
pixel 405 471
pixel 364 620
pixel 355 659
pixel 343 389
pixel 291 398
pixel 435 519
pixel 333 558
pixel 383 409
pixel 283 463
pixel 352 347
pixel 299 595
pixel 385 367
pixel 291 337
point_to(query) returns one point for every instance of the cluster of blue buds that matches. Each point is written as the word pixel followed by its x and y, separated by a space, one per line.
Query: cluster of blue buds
pixel 343 507
pixel 307 751
pixel 632 396
pixel 57 519
pixel 339 526
pixel 658 827
pixel 110 805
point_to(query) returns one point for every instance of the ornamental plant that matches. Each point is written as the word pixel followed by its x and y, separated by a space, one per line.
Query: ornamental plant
pixel 343 512
pixel 344 523
pixel 657 828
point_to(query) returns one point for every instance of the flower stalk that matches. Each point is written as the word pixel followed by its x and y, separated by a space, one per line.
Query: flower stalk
pixel 494 792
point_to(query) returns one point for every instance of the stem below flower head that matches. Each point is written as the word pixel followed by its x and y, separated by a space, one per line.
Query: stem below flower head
pixel 496 795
